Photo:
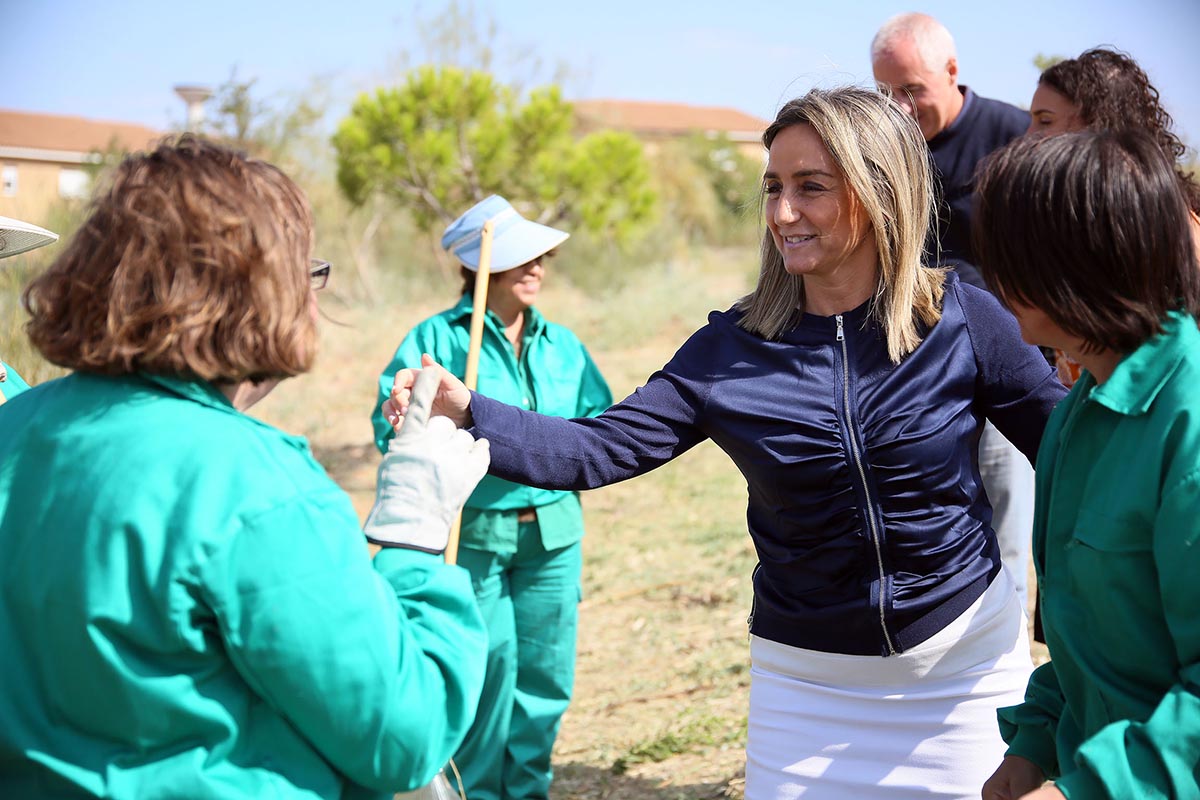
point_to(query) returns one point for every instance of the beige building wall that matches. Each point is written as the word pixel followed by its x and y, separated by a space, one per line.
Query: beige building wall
pixel 37 189
pixel 47 158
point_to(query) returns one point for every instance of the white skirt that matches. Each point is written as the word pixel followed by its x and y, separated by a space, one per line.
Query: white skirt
pixel 921 724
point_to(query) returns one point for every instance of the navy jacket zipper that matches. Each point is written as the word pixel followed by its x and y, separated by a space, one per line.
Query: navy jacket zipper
pixel 862 474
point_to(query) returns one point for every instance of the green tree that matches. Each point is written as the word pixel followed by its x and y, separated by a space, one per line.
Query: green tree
pixel 1045 62
pixel 448 137
pixel 280 130
pixel 735 178
pixel 709 189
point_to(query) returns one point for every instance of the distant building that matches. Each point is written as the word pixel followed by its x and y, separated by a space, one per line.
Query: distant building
pixel 45 157
pixel 658 122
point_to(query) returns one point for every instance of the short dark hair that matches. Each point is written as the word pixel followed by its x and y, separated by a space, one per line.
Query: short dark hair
pixel 1092 229
pixel 1112 91
pixel 192 261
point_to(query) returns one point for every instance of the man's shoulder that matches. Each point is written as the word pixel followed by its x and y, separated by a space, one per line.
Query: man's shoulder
pixel 1004 119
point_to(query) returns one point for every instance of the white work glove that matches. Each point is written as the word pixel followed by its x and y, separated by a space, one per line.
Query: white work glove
pixel 428 472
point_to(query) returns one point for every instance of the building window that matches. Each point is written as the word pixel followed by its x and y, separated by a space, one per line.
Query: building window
pixel 72 183
pixel 8 177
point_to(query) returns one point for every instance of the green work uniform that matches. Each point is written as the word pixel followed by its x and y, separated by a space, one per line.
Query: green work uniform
pixel 12 384
pixel 1116 712
pixel 526 575
pixel 188 609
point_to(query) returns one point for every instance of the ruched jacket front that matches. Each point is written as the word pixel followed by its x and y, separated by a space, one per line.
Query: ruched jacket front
pixel 865 504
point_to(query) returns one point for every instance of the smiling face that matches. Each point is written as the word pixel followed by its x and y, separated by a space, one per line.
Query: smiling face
pixel 1053 113
pixel 516 289
pixel 817 223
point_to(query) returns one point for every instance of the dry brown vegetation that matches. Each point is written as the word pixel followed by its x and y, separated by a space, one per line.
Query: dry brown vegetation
pixel 663 669
pixel 660 703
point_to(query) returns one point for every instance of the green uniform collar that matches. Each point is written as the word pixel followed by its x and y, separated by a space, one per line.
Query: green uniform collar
pixel 206 394
pixel 194 389
pixel 1141 375
pixel 535 323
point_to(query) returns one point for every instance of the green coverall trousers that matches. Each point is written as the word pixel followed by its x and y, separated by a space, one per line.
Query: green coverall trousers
pixel 529 601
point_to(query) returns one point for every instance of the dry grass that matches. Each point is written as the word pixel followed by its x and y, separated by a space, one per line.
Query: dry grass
pixel 660 704
pixel 663 668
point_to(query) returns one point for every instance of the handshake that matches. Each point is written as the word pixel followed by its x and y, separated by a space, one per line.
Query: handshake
pixel 430 469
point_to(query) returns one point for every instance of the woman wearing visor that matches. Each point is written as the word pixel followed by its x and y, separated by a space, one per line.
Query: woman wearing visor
pixel 521 545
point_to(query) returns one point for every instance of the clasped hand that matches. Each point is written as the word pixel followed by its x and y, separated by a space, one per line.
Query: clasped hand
pixel 451 399
pixel 428 472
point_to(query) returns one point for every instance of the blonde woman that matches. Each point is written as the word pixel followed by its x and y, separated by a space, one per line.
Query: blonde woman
pixel 850 388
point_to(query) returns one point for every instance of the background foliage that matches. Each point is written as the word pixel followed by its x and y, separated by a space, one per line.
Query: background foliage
pixel 447 138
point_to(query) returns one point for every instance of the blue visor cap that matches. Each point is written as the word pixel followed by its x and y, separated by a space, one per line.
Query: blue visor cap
pixel 515 240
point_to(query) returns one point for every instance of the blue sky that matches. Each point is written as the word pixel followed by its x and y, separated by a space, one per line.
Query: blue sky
pixel 118 60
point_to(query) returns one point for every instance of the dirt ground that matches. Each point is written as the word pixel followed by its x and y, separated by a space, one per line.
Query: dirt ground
pixel 663 667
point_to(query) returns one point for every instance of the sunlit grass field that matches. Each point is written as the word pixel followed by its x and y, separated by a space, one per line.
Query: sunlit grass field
pixel 663 667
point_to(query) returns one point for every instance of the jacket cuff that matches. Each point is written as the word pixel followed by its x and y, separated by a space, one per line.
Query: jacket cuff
pixel 393 558
pixel 1035 746
pixel 1082 785
pixel 387 544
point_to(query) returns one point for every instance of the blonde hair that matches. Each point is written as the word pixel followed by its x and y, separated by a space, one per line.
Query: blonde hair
pixel 885 162
pixel 192 262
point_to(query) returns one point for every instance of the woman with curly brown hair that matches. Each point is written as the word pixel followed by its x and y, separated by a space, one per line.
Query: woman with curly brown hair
pixel 1105 89
pixel 187 605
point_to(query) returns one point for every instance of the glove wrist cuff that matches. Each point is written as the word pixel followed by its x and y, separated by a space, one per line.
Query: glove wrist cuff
pixel 405 546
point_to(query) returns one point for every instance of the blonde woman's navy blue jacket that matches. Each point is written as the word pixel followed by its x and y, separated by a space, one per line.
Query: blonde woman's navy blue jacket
pixel 865 503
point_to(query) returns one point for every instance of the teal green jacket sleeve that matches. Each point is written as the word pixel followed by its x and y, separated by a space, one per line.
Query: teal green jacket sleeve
pixel 1158 757
pixel 1031 728
pixel 378 664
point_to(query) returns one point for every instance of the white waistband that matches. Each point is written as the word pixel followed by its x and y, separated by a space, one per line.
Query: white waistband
pixel 992 627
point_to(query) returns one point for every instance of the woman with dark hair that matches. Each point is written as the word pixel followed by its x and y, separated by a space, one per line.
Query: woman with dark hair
pixel 1086 238
pixel 187 605
pixel 1104 89
pixel 850 388
pixel 522 546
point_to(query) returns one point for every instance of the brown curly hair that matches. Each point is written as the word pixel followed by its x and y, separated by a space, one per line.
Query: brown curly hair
pixel 1092 228
pixel 193 262
pixel 1112 92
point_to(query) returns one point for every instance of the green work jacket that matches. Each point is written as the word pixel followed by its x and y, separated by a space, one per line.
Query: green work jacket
pixel 12 385
pixel 554 375
pixel 188 609
pixel 1116 712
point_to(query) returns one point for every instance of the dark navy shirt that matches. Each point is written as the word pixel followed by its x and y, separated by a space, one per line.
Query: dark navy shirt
pixel 981 127
pixel 866 507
